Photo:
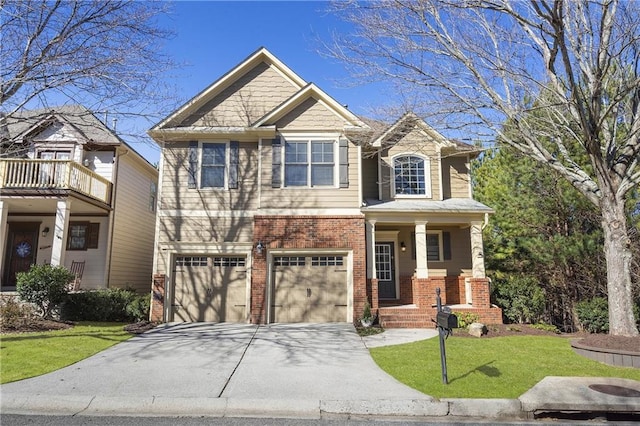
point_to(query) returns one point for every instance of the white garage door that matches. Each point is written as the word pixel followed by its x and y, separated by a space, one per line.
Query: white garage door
pixel 210 288
pixel 309 289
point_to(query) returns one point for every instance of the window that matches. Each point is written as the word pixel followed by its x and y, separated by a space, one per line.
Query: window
pixel 309 163
pixel 433 247
pixel 228 261
pixel 411 177
pixel 212 167
pixel 289 261
pixel 83 235
pixel 153 195
pixel 327 261
pixel 192 261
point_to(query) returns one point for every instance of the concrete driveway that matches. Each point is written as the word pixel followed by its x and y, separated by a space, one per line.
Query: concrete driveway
pixel 217 369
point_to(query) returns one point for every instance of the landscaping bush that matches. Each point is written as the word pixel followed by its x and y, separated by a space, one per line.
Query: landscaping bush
pixel 138 308
pixel 45 286
pixel 593 315
pixel 465 319
pixel 521 299
pixel 14 315
pixel 108 305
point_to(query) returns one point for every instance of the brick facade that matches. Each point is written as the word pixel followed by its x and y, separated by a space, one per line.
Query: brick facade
pixel 308 232
pixel 156 313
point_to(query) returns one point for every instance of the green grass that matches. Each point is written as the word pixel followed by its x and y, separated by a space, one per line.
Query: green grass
pixel 501 367
pixel 27 355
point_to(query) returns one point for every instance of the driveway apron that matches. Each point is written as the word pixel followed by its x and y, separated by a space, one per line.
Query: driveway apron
pixel 230 362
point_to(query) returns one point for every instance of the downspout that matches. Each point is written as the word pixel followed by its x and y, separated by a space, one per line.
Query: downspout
pixel 112 218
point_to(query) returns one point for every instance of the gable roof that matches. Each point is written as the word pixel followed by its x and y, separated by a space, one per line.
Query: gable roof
pixel 257 57
pixel 403 126
pixel 22 124
pixel 308 91
pixel 169 127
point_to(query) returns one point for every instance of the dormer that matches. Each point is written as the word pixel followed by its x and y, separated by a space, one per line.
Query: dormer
pixel 414 162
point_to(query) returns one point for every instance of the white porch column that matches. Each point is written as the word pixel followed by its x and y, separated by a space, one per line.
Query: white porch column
pixel 422 270
pixel 370 229
pixel 4 214
pixel 63 208
pixel 477 252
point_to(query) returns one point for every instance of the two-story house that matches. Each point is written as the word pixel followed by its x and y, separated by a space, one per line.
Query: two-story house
pixel 72 192
pixel 277 204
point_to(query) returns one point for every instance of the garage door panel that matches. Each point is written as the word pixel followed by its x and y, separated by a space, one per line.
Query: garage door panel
pixel 311 289
pixel 207 290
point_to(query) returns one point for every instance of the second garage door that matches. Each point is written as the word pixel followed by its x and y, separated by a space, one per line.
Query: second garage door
pixel 210 288
pixel 309 289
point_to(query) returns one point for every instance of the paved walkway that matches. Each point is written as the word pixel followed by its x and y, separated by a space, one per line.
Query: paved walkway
pixel 292 370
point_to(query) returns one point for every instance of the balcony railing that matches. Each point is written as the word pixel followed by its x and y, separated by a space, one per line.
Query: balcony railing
pixel 53 174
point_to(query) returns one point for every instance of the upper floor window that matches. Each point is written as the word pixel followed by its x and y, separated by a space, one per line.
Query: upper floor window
pixel 213 165
pixel 411 175
pixel 309 163
pixel 153 196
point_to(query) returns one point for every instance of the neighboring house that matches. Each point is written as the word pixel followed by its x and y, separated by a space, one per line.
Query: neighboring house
pixel 71 191
pixel 277 204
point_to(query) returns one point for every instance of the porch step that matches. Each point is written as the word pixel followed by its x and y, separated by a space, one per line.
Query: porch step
pixel 405 318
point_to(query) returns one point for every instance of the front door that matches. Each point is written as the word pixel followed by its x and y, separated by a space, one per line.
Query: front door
pixel 385 267
pixel 22 247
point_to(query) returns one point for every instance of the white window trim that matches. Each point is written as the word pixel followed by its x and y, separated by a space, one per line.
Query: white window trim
pixel 226 164
pixel 440 246
pixel 427 176
pixel 298 138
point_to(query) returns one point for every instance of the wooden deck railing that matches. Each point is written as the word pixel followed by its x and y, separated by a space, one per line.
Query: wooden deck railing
pixel 53 174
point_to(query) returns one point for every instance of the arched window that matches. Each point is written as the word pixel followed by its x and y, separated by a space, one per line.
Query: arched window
pixel 411 176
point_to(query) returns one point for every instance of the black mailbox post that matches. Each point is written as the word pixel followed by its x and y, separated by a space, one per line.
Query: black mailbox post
pixel 445 321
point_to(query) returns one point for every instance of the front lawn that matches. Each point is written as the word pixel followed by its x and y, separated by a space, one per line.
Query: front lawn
pixel 24 355
pixel 500 367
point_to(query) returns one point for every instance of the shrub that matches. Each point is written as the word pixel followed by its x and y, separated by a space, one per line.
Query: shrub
pixel 593 315
pixel 465 319
pixel 546 327
pixel 99 305
pixel 521 299
pixel 14 315
pixel 45 286
pixel 138 308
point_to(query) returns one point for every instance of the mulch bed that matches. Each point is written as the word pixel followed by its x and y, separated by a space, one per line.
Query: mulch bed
pixel 602 341
pixel 37 324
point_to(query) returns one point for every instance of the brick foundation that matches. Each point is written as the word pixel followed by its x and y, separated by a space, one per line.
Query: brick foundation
pixel 308 232
pixel 156 313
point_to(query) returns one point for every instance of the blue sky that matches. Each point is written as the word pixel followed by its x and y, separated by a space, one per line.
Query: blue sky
pixel 214 36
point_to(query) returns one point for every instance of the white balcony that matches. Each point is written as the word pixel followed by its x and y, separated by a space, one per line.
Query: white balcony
pixel 30 174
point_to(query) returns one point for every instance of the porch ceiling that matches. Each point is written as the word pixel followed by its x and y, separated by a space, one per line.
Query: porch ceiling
pixel 46 205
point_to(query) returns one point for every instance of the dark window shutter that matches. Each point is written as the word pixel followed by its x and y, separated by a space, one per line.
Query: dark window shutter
pixel 276 162
pixel 94 232
pixel 413 245
pixel 233 164
pixel 193 163
pixel 343 153
pixel 446 245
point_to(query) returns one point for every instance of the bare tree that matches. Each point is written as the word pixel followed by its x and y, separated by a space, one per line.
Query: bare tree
pixel 105 55
pixel 559 81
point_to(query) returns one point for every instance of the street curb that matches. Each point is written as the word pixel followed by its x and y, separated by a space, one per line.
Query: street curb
pixel 385 407
pixel 494 408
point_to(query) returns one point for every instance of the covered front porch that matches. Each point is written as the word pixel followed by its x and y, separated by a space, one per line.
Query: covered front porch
pixel 56 212
pixel 414 249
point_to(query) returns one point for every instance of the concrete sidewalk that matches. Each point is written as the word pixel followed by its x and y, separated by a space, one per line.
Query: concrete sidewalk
pixel 279 370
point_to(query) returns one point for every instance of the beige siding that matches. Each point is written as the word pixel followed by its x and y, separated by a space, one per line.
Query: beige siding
pixel 308 198
pixel 310 114
pixel 460 263
pixel 415 143
pixel 134 226
pixel 455 179
pixel 205 229
pixel 246 100
pixel 177 196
